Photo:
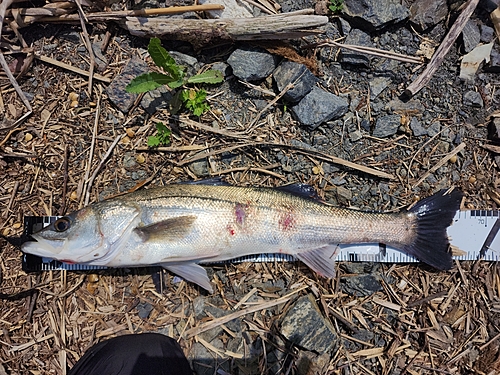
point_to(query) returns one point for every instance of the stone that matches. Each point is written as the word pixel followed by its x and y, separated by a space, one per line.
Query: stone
pixel 199 168
pixel 361 285
pixel 344 195
pixel 116 89
pixel 471 36
pixel 156 99
pixel 377 85
pixel 292 72
pixel 144 309
pixel 487 33
pixel 386 126
pixel 251 64
pixel 494 129
pixel 358 38
pixel 427 13
pixel 311 364
pixel 190 62
pixel 305 326
pixel 375 14
pixel 355 136
pixel 417 128
pixel 318 107
pixel 473 99
pixel 434 129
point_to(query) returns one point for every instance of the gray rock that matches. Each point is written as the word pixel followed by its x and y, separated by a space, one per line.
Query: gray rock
pixel 471 35
pixel 355 135
pixel 309 363
pixel 305 326
pixel 156 99
pixel 251 64
pixel 144 309
pixel 434 129
pixel 473 99
pixel 221 67
pixel 427 13
pixel 375 14
pixel 292 72
pixel 190 62
pixel 199 168
pixel 358 38
pixel 417 128
pixel 344 195
pixel 386 126
pixel 494 129
pixel 319 106
pixel 129 161
pixel 116 90
pixel 293 5
pixel 100 60
pixel 487 33
pixel 494 65
pixel 377 85
pixel 361 285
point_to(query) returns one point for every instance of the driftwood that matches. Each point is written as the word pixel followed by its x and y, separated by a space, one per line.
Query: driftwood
pixel 202 32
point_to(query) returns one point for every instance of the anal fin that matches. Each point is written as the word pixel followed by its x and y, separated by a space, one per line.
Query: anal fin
pixel 190 272
pixel 321 260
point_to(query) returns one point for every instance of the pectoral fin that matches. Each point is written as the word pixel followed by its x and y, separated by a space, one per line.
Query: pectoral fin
pixel 166 230
pixel 321 260
pixel 191 272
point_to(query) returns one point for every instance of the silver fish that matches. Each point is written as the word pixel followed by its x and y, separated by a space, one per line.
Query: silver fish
pixel 179 226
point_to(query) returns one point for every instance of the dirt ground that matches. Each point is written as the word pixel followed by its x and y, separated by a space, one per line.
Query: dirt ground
pixel 77 148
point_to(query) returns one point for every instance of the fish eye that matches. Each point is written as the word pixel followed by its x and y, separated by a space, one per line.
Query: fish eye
pixel 62 224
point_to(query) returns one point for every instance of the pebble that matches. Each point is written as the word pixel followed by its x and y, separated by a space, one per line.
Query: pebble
pixel 434 129
pixel 358 38
pixel 305 326
pixel 473 99
pixel 471 35
pixel 417 128
pixel 251 64
pixel 291 72
pixel 386 126
pixel 156 99
pixel 377 85
pixel 327 106
pixel 199 168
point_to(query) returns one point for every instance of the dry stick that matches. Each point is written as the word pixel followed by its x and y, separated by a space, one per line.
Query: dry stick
pixel 317 154
pixel 103 160
pixel 91 155
pixel 3 9
pixel 440 163
pixel 107 16
pixel 72 68
pixel 372 51
pixel 272 102
pixel 83 19
pixel 65 181
pixel 442 50
pixel 227 318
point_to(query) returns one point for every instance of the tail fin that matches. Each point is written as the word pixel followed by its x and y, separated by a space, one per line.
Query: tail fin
pixel 434 215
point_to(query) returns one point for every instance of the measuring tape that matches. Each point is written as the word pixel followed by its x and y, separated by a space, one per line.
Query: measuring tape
pixel 474 233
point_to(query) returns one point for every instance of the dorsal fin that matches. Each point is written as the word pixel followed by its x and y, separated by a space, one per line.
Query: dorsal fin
pixel 301 190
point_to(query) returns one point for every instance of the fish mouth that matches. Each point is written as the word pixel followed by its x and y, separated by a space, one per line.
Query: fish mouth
pixel 42 247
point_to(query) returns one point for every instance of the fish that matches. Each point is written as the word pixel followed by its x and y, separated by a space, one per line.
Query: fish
pixel 181 226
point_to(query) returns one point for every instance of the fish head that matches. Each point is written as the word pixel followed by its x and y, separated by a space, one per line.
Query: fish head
pixel 90 235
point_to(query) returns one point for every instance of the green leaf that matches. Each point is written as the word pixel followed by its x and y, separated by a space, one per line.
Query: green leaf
pixel 147 82
pixel 176 102
pixel 163 59
pixel 176 84
pixel 153 141
pixel 210 76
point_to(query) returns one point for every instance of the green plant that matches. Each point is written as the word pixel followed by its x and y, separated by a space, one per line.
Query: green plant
pixel 162 137
pixel 174 76
pixel 336 5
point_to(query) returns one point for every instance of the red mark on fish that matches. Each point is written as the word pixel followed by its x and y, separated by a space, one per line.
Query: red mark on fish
pixel 287 221
pixel 241 213
pixel 231 230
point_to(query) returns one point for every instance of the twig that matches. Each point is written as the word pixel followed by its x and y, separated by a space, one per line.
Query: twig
pixel 91 154
pixel 103 160
pixel 227 318
pixel 370 51
pixel 442 50
pixel 71 68
pixel 440 163
pixel 65 182
pixel 271 103
pixel 318 154
pixel 264 170
pixel 12 197
pixel 84 19
pixel 3 9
